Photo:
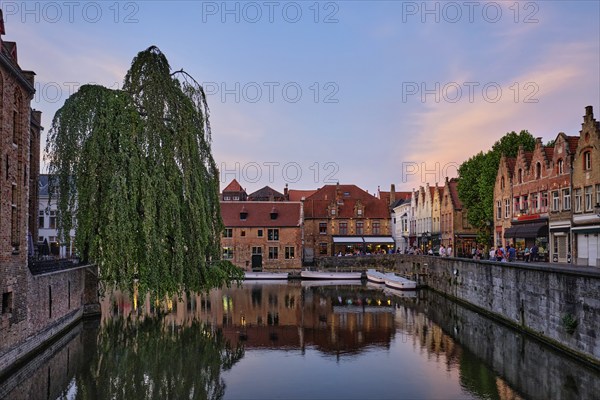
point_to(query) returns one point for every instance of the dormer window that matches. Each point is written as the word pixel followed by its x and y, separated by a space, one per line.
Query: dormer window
pixel 359 212
pixel 274 213
pixel 332 211
pixel 243 214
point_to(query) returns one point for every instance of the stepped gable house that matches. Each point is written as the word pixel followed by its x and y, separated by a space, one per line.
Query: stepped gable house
pixel 559 183
pixel 345 219
pixel 503 199
pixel 455 227
pixel 586 192
pixel 529 224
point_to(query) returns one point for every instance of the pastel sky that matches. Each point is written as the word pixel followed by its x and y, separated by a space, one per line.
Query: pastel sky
pixel 361 92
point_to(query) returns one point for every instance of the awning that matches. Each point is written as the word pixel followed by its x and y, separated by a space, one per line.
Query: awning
pixel 348 240
pixel 586 229
pixel 379 239
pixel 527 231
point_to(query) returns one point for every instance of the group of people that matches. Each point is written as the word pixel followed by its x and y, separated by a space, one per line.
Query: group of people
pixel 509 254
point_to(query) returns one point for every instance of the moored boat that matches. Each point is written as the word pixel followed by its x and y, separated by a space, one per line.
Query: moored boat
pixel 375 276
pixel 330 275
pixel 398 282
pixel 266 275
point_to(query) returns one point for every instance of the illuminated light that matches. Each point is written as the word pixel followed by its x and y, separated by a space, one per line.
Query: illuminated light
pixel 389 302
pixel 378 302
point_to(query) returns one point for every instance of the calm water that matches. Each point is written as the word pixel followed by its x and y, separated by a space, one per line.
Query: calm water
pixel 298 340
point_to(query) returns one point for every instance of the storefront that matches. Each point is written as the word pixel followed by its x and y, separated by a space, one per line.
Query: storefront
pixel 560 242
pixel 587 240
pixel 347 245
pixel 378 244
pixel 464 244
pixel 527 234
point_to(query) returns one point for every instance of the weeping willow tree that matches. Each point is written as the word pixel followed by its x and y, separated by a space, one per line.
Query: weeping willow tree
pixel 135 176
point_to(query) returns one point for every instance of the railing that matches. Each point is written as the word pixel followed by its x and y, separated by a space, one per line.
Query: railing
pixel 38 267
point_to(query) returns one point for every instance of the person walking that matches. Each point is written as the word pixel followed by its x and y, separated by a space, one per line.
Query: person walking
pixel 534 253
pixel 512 253
pixel 492 254
pixel 442 251
pixel 526 254
pixel 449 250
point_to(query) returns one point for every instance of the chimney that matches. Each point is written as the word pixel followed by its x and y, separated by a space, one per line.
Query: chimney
pixel 285 192
pixel 392 194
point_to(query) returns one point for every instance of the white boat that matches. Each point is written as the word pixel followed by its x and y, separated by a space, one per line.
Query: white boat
pixel 376 276
pixel 266 275
pixel 400 293
pixel 330 275
pixel 398 282
pixel 332 282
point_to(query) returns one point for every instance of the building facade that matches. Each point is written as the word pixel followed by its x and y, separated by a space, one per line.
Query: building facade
pixel 529 223
pixel 344 219
pixel 560 215
pixel 503 199
pixel 47 241
pixel 586 193
pixel 455 227
pixel 262 235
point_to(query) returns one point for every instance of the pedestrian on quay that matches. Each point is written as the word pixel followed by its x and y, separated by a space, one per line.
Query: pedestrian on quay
pixel 512 253
pixel 492 254
pixel 449 250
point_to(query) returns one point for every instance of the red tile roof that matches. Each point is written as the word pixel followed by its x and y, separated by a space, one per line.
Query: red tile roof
pixel 316 206
pixel 234 186
pixel 573 143
pixel 549 153
pixel 510 165
pixel 453 189
pixel 297 195
pixel 259 213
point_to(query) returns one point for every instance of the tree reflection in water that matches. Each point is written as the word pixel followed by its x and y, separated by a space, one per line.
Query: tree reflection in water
pixel 156 360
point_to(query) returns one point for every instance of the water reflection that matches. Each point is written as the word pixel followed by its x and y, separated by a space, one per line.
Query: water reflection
pixel 299 340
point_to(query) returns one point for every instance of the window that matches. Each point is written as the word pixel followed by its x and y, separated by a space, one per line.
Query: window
pixel 506 208
pixel 404 226
pixel 535 201
pixel 577 200
pixel 41 219
pixel 555 201
pixel 520 175
pixel 243 215
pixel 517 205
pixel 359 212
pixel 538 170
pixel 227 253
pixel 236 198
pixel 273 253
pixel 7 303
pixel 501 183
pixel 52 224
pixel 544 201
pixel 273 234
pixel 560 167
pixel 322 248
pixel 498 209
pixel 322 228
pixel 226 198
pixel 259 233
pixel 256 250
pixel 589 206
pixel 360 227
pixel 525 202
pixel 343 228
pixel 376 227
pixel 227 233
pixel 597 194
pixel 332 212
pixel 243 233
pixel 566 199
pixel 587 160
pixel 15 234
pixel 289 252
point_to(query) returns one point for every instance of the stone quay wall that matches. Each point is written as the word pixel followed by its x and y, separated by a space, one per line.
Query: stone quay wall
pixel 560 306
pixel 54 302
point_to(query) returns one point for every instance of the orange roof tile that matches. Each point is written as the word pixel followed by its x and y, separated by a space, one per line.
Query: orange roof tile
pixel 234 186
pixel 297 195
pixel 316 206
pixel 259 213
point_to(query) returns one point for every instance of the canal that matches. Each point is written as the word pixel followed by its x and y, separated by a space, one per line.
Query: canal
pixel 298 340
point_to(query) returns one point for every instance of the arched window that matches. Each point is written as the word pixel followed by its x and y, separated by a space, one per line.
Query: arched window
pixel 502 183
pixel 560 167
pixel 520 175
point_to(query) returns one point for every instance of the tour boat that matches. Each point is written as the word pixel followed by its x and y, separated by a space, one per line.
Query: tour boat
pixel 398 282
pixel 330 275
pixel 376 276
pixel 266 275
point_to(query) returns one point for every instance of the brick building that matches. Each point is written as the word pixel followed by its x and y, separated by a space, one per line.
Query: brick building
pixel 424 216
pixel 503 199
pixel 561 198
pixel 586 193
pixel 530 184
pixel 345 219
pixel 19 155
pixel 455 227
pixel 262 235
pixel 234 192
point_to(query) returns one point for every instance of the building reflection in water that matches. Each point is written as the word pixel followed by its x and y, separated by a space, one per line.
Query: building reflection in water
pixel 180 348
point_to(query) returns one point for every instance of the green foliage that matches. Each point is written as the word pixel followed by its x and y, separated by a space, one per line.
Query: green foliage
pixel 569 322
pixel 156 361
pixel 135 168
pixel 477 177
